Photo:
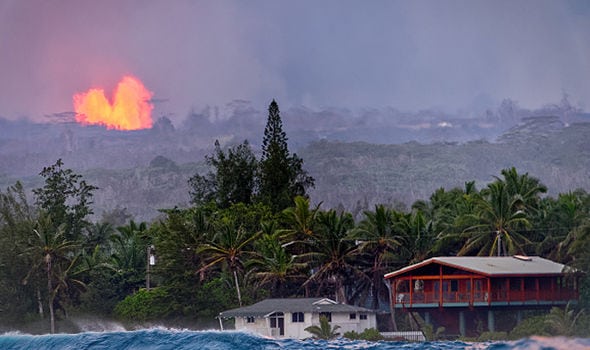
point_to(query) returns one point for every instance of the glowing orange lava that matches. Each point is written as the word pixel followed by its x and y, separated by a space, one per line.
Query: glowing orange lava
pixel 130 108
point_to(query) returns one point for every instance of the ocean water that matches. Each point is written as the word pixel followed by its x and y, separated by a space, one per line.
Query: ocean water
pixel 161 338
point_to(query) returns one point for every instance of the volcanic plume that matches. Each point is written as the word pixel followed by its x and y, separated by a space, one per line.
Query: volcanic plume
pixel 130 108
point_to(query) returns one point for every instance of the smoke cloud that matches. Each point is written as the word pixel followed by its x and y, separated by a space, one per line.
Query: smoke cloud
pixel 449 55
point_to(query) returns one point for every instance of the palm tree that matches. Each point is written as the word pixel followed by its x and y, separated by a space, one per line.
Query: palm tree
pixel 563 321
pixel 332 254
pixel 499 216
pixel 300 219
pixel 377 240
pixel 228 249
pixel 525 187
pixel 129 244
pixel 418 236
pixel 324 330
pixel 97 234
pixel 560 223
pixel 272 266
pixel 53 253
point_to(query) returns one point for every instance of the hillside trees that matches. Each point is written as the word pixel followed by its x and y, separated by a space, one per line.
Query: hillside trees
pixel 282 176
pixel 379 245
pixel 236 176
pixel 17 220
pixel 231 180
pixel 502 215
pixel 66 198
pixel 51 254
pixel 44 240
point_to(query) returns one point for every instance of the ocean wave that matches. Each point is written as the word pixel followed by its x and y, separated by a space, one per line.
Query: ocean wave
pixel 165 338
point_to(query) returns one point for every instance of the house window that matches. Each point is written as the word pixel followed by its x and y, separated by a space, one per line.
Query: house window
pixel 250 319
pixel 327 315
pixel 454 286
pixel 353 316
pixel 363 316
pixel 297 317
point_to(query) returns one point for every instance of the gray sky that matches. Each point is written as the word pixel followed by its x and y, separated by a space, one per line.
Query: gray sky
pixel 410 55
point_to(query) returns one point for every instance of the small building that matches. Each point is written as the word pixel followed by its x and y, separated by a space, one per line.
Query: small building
pixel 288 318
pixel 464 293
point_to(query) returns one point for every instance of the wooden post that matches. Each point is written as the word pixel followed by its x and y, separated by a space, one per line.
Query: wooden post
pixel 508 290
pixel 489 291
pixel 411 291
pixel 471 290
pixel 440 287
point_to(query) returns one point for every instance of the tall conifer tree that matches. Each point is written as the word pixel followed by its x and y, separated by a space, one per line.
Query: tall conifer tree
pixel 282 177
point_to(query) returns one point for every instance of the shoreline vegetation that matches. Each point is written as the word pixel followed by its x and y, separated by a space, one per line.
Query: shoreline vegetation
pixel 252 233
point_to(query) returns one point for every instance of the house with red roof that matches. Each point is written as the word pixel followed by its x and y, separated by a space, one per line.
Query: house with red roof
pixel 464 294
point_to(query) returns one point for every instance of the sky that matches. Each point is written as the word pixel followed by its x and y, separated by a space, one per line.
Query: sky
pixel 409 55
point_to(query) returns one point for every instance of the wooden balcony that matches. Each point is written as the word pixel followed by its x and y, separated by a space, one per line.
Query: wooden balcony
pixel 493 298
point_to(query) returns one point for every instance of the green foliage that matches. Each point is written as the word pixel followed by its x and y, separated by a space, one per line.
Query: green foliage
pixel 211 256
pixel 427 329
pixel 282 177
pixel 66 198
pixel 324 330
pixel 17 219
pixel 531 326
pixel 332 256
pixel 145 305
pixel 564 321
pixel 492 336
pixel 231 180
pixel 212 298
pixel 369 334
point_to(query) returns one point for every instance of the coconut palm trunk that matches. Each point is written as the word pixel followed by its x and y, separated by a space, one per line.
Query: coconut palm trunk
pixel 238 288
pixel 50 293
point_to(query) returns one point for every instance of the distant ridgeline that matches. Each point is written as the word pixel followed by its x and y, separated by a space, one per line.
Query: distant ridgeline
pixel 147 170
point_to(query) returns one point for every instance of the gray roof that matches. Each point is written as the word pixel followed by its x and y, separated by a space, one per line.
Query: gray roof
pixel 494 265
pixel 314 305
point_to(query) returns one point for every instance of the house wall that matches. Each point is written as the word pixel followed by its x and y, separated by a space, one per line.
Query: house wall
pixel 296 330
pixel 259 326
pixel 347 325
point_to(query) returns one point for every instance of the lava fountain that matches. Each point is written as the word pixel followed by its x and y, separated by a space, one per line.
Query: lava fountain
pixel 130 108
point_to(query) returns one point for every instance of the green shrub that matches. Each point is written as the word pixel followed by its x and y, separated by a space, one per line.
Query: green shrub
pixel 535 325
pixel 352 335
pixel 144 305
pixel 370 334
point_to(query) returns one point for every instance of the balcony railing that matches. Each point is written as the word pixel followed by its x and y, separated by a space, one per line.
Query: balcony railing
pixel 407 299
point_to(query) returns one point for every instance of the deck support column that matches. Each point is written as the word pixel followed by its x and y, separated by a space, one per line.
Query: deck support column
pixel 518 316
pixel 462 323
pixel 491 321
pixel 427 317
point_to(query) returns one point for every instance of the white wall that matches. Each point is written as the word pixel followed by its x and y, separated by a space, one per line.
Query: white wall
pixel 296 330
pixel 259 326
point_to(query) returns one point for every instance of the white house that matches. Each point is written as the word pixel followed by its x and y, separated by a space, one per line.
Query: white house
pixel 288 318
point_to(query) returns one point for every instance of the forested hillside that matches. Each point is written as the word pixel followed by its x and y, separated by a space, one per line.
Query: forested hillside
pixel 357 175
pixel 362 174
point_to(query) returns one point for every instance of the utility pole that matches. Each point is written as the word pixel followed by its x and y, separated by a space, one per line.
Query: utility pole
pixel 151 261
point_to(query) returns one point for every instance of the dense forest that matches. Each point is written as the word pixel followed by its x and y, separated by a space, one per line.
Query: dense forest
pixel 251 232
